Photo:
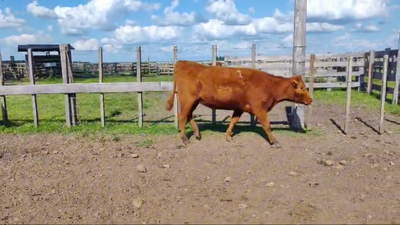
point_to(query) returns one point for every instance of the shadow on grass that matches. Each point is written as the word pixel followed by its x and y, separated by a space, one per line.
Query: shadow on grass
pixel 378 96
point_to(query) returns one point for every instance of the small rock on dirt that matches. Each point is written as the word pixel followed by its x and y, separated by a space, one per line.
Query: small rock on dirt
pixel 166 166
pixel 141 168
pixel 369 217
pixel 242 206
pixel 313 184
pixel 339 167
pixel 343 162
pixel 391 163
pixel 227 179
pixel 293 173
pixel 329 153
pixel 134 156
pixel 137 203
pixel 367 155
pixel 329 162
pixel 374 166
pixel 270 184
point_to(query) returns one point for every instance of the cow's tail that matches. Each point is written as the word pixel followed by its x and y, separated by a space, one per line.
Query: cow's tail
pixel 170 101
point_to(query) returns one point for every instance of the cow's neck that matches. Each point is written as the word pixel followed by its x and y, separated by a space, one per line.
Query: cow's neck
pixel 282 89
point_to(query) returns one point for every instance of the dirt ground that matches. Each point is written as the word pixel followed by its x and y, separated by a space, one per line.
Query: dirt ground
pixel 137 179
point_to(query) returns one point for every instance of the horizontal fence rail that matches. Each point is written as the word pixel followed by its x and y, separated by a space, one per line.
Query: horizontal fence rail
pixel 125 87
pixel 330 71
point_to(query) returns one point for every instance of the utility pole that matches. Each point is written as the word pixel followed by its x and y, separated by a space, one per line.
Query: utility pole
pixel 299 56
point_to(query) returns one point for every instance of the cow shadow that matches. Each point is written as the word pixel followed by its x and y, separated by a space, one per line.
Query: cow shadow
pixel 241 127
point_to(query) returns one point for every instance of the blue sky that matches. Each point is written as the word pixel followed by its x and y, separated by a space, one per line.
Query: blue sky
pixel 194 25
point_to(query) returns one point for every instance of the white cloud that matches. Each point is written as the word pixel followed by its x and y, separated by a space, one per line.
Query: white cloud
pixel 288 40
pixel 252 10
pixel 215 29
pixel 393 40
pixel 96 14
pixel 86 45
pixel 172 18
pixel 344 11
pixel 322 27
pixel 278 15
pixel 38 38
pixel 135 34
pixel 7 19
pixel 226 11
pixel 40 11
pixel 130 22
pixel 352 44
pixel 113 48
pixel 358 27
pixel 50 28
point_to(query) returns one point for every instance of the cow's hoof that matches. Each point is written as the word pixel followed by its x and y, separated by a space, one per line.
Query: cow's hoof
pixel 229 138
pixel 186 142
pixel 198 137
pixel 276 145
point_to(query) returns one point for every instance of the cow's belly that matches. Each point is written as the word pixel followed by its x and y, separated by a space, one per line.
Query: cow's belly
pixel 228 98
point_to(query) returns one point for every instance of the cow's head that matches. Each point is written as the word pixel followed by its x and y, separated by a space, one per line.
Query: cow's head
pixel 300 93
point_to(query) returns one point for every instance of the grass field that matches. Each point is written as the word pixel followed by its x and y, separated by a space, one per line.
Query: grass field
pixel 121 109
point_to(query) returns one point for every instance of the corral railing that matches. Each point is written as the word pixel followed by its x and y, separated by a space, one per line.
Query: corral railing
pixel 330 71
pixel 374 72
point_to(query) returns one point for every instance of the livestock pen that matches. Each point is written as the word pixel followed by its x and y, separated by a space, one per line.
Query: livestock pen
pixel 329 71
pixel 88 173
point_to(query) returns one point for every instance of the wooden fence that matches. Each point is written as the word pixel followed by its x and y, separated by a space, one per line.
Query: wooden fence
pixel 375 70
pixel 326 67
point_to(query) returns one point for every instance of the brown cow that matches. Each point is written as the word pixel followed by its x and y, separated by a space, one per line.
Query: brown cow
pixel 232 88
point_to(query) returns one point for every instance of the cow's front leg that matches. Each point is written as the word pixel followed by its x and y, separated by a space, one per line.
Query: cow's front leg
pixel 235 118
pixel 264 121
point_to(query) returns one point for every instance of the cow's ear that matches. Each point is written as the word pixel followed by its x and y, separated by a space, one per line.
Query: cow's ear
pixel 295 83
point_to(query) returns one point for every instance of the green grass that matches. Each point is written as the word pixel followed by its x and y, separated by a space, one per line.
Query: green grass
pixel 121 111
pixel 358 99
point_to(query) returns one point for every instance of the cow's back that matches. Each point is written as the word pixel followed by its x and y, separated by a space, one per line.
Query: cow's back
pixel 216 87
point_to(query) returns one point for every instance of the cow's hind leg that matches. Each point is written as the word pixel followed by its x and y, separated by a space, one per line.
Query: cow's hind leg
pixel 195 128
pixel 263 119
pixel 185 115
pixel 235 118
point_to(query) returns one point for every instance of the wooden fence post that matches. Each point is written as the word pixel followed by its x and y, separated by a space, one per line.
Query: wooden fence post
pixel 32 82
pixel 253 122
pixel 176 102
pixel 64 71
pixel 139 80
pixel 101 79
pixel 370 70
pixel 348 92
pixel 397 84
pixel 214 63
pixel 383 92
pixel 311 84
pixel 299 54
pixel 3 100
pixel 72 97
